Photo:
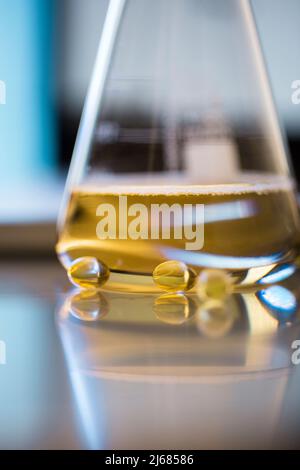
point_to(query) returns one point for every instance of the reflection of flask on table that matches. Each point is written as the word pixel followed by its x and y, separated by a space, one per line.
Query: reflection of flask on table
pixel 143 380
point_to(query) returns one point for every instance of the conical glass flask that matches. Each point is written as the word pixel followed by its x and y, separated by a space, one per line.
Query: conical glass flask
pixel 179 156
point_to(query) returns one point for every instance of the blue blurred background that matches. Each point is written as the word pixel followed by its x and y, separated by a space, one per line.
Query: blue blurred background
pixel 47 50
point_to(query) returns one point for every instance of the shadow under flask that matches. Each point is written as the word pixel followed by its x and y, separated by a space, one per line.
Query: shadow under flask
pixel 179 155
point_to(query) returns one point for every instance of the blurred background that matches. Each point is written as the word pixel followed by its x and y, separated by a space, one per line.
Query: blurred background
pixel 47 51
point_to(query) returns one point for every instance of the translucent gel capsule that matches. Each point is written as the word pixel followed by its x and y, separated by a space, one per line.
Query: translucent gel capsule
pixel 174 309
pixel 174 276
pixel 88 306
pixel 214 284
pixel 88 273
pixel 215 319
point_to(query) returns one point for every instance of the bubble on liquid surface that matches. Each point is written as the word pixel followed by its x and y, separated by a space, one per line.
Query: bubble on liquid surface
pixel 214 284
pixel 88 306
pixel 215 318
pixel 174 276
pixel 174 309
pixel 88 273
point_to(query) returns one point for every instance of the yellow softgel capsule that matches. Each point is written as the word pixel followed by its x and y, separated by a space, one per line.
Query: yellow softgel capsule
pixel 174 309
pixel 214 284
pixel 174 276
pixel 88 273
pixel 88 306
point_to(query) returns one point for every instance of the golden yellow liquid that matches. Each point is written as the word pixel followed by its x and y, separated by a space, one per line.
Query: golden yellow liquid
pixel 246 226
